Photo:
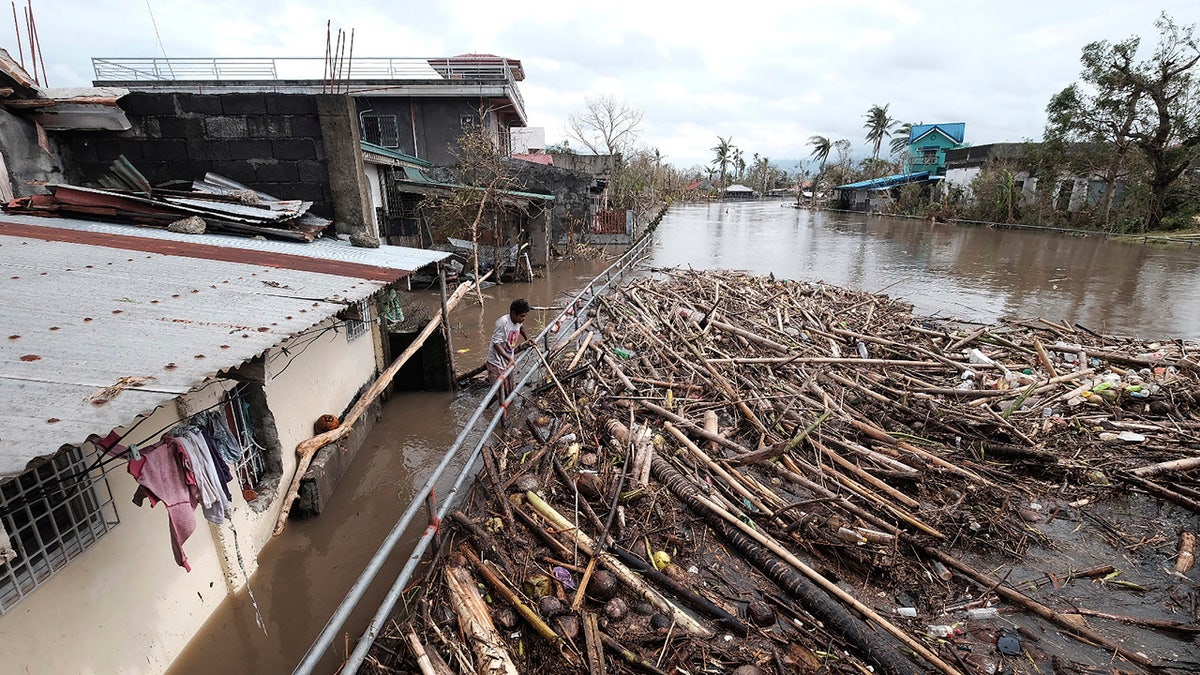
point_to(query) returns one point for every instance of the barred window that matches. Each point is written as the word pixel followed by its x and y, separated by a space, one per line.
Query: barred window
pixel 381 130
pixel 52 513
pixel 358 319
pixel 252 465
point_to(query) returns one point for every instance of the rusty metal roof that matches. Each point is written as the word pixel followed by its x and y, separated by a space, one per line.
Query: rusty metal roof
pixel 84 308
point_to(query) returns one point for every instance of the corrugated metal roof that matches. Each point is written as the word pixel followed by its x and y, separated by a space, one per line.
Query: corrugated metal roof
pixel 322 252
pixel 78 317
pixel 391 153
pixel 886 181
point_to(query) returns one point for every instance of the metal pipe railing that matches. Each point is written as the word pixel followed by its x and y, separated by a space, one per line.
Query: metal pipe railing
pixel 578 307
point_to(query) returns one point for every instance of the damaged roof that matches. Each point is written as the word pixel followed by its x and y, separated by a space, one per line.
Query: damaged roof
pixel 89 305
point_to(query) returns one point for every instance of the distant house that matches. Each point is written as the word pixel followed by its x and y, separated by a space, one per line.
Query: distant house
pixel 928 143
pixel 876 193
pixel 1071 192
pixel 117 336
pixel 737 191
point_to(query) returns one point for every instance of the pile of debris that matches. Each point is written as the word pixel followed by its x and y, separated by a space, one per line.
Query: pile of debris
pixel 215 204
pixel 730 473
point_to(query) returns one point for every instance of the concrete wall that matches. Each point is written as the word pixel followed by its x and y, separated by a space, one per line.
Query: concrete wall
pixel 271 142
pixel 124 606
pixel 596 165
pixel 572 197
pixel 428 127
pixel 26 165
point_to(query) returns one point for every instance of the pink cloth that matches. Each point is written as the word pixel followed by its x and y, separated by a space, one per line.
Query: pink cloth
pixel 163 475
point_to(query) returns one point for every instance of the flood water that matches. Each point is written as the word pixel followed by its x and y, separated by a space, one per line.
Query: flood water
pixel 969 272
pixel 972 273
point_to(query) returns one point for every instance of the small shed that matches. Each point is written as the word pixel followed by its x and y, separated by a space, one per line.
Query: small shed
pixel 738 191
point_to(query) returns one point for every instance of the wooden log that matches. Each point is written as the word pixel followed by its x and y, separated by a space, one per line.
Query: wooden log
pixel 593 644
pixel 1044 358
pixel 308 448
pixel 426 664
pixel 1187 552
pixel 476 625
pixel 492 576
pixel 1185 464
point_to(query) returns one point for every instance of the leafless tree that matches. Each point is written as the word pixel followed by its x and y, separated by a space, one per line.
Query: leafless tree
pixel 606 126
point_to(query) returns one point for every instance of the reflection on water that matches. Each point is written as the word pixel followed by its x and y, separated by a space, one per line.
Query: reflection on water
pixel 967 272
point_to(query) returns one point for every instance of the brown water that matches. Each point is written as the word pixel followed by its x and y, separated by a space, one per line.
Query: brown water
pixel 974 273
pixel 305 572
pixel 968 272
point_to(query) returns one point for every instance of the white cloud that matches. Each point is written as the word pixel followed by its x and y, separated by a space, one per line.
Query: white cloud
pixel 770 74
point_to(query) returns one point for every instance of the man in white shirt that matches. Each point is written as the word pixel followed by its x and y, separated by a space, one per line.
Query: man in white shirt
pixel 502 354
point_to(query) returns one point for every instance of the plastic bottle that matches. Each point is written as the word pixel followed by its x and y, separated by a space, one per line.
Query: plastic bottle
pixel 941 631
pixel 906 611
pixel 983 613
pixel 622 352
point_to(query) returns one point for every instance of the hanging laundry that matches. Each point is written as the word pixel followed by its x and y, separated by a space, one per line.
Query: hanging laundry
pixel 213 421
pixel 213 499
pixel 162 476
pixel 219 462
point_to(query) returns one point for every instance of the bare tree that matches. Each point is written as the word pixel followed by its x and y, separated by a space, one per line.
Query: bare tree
pixel 606 126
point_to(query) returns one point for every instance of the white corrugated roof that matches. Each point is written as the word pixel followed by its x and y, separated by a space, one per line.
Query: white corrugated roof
pixel 78 317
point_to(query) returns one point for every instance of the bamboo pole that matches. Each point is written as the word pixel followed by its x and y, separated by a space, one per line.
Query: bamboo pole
pixel 307 449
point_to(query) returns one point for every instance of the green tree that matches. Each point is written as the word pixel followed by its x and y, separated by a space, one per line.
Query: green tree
pixel 821 147
pixel 878 125
pixel 724 157
pixel 1150 105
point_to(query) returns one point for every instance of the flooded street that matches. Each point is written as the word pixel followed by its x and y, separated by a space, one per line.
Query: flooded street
pixel 973 273
pixel 968 272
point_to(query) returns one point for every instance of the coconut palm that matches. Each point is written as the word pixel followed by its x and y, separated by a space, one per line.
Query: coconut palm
pixel 878 126
pixel 724 150
pixel 900 137
pixel 821 146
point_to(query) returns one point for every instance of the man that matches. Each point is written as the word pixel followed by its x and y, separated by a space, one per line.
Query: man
pixel 502 354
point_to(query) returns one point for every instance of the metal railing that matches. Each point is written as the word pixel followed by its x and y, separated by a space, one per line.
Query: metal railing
pixel 457 70
pixel 565 324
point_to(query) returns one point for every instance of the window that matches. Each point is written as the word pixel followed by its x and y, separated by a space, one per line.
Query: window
pixel 929 155
pixel 466 121
pixel 52 513
pixel 381 130
pixel 252 465
pixel 358 319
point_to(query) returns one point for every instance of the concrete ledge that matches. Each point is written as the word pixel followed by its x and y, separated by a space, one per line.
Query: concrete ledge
pixel 330 464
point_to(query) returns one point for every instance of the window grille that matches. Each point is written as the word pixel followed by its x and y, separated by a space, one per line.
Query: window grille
pixel 52 513
pixel 358 320
pixel 252 465
pixel 381 130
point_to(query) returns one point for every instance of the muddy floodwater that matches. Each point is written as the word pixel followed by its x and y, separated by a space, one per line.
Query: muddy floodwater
pixel 962 271
pixel 972 273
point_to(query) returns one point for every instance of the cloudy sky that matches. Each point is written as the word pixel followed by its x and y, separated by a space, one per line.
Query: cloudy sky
pixel 769 74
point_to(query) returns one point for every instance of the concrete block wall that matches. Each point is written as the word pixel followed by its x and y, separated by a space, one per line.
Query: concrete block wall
pixel 270 142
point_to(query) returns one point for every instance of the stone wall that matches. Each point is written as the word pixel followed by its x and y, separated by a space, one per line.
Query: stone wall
pixel 270 142
pixel 572 195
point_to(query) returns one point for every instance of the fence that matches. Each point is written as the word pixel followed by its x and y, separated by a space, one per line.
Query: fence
pixel 611 222
pixel 527 365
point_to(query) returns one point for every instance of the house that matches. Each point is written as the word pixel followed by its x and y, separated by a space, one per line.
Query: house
pixel 928 143
pixel 418 106
pixel 117 332
pixel 737 191
pixel 876 193
pixel 1071 193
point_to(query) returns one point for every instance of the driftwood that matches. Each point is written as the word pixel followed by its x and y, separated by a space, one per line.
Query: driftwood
pixel 307 449
pixel 828 443
pixel 476 625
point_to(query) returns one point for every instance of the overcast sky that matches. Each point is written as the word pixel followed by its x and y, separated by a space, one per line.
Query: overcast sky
pixel 769 74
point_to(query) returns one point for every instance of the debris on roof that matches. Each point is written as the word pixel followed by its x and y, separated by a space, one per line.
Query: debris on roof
pixel 225 205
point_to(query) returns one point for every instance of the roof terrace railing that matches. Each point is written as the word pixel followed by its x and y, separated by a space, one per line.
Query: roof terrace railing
pixel 459 70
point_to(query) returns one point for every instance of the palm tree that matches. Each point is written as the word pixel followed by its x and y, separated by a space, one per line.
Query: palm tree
pixel 900 137
pixel 878 126
pixel 724 150
pixel 739 164
pixel 821 146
